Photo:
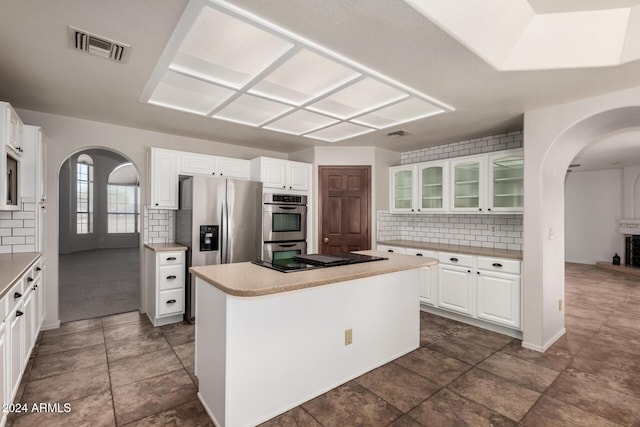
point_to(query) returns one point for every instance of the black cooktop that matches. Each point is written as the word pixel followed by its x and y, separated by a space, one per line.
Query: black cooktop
pixel 313 261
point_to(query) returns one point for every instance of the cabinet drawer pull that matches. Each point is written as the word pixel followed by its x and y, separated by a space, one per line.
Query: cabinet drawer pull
pixel 19 313
pixel 389 250
pixel 38 269
pixel 468 271
pixel 29 279
pixel 418 254
pixel 171 301
pixel 497 265
pixel 171 277
pixel 17 295
pixel 171 258
pixel 453 259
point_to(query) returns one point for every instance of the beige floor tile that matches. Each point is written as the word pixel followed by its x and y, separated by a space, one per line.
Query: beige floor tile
pixel 433 365
pixel 95 410
pixel 69 386
pixel 67 361
pixel 76 326
pixel 525 373
pixel 56 344
pixel 190 414
pixel 142 367
pixel 134 346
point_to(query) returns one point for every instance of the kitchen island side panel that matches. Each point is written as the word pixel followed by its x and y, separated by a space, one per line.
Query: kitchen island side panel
pixel 284 349
pixel 210 349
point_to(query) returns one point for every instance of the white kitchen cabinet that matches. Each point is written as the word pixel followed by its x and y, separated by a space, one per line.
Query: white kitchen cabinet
pixel 402 192
pixel 433 187
pixel 506 181
pixel 428 277
pixel 282 174
pixel 165 286
pixel 498 285
pixel 164 179
pixel 4 372
pixel 455 289
pixel 396 249
pixel 468 184
pixel 17 339
pixel 204 164
pixel 11 128
pixel 33 183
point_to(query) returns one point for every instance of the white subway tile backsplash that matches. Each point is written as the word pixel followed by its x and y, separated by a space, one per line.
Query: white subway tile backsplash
pixel 158 226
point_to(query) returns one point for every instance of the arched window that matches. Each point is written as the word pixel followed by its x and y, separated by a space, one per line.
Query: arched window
pixel 84 194
pixel 123 195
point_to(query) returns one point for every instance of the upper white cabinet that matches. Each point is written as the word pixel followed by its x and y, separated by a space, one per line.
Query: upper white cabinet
pixel 282 174
pixel 164 179
pixel 487 183
pixel 204 164
pixel 11 128
pixel 506 181
pixel 11 150
pixel 403 187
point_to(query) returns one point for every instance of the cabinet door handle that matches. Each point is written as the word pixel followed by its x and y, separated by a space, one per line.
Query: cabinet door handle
pixel 171 277
pixel 38 269
pixel 478 272
pixel 19 313
pixel 497 265
pixel 468 271
pixel 171 258
pixel 34 287
pixel 488 209
pixel 390 250
pixel 418 254
pixel 453 259
pixel 17 295
pixel 171 301
pixel 29 279
pixel 480 209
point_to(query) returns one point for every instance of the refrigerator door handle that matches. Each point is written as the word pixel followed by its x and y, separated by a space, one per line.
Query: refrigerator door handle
pixel 223 233
pixel 227 229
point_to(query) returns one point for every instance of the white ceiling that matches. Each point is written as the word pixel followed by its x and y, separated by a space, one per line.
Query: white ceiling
pixel 40 71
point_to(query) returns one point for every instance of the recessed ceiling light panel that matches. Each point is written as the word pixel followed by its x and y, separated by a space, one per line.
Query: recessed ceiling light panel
pixel 365 95
pixel 305 76
pixel 185 93
pixel 402 112
pixel 252 110
pixel 227 50
pixel 229 64
pixel 339 132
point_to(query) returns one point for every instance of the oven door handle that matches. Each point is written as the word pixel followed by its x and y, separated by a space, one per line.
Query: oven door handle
pixel 287 208
pixel 287 246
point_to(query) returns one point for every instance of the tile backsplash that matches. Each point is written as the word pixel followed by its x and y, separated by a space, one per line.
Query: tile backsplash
pixel 468 147
pixel 18 229
pixel 159 226
pixel 499 231
pixel 487 231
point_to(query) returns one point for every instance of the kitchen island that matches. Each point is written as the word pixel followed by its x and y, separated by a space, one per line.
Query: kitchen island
pixel 268 341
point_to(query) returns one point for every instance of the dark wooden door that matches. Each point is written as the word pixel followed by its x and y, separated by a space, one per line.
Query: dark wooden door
pixel 345 208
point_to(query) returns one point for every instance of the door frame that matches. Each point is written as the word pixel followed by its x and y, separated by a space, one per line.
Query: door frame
pixel 321 192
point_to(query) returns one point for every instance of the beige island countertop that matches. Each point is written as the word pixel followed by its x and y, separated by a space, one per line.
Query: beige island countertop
pixel 459 249
pixel 12 266
pixel 165 247
pixel 245 279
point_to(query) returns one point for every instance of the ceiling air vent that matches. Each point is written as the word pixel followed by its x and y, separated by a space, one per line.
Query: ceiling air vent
pixel 398 133
pixel 98 45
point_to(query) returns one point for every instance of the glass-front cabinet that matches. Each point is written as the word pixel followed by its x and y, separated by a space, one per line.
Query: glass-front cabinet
pixel 506 179
pixel 468 180
pixel 433 187
pixel 402 188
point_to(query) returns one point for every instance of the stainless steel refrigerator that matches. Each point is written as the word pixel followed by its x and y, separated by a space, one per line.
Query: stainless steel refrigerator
pixel 220 221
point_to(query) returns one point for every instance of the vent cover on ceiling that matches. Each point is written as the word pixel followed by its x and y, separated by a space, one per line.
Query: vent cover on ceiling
pixel 398 133
pixel 98 45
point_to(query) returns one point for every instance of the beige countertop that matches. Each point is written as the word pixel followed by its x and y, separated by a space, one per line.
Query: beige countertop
pixel 12 266
pixel 245 279
pixel 165 247
pixel 460 249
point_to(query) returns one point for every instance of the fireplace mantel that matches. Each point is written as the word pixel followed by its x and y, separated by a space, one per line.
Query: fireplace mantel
pixel 630 226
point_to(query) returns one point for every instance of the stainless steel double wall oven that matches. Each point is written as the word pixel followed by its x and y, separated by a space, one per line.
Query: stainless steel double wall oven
pixel 284 226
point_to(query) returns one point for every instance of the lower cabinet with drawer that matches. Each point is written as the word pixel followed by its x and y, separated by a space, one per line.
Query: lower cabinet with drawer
pixel 22 313
pixel 164 287
pixel 485 289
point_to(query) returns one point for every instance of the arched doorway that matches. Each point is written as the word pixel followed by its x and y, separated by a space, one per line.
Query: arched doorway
pixel 553 137
pixel 99 234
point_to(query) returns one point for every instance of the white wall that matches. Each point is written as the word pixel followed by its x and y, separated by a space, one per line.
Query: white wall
pixel 379 159
pixel 593 209
pixel 553 137
pixel 631 188
pixel 67 135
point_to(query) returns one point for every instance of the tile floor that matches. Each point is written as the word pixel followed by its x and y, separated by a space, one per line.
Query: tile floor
pixel 119 370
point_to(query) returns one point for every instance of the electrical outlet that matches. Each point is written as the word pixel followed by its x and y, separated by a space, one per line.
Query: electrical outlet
pixel 560 305
pixel 493 229
pixel 348 336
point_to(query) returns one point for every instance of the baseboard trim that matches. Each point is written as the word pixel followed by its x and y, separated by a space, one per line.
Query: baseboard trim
pixel 49 326
pixel 548 344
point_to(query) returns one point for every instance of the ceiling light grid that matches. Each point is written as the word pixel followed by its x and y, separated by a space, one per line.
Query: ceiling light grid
pixel 227 64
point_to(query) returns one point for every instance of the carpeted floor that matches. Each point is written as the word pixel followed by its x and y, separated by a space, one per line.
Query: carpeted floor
pixel 98 283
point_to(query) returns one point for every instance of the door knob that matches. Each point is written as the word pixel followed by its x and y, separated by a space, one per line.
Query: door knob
pixel 325 240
